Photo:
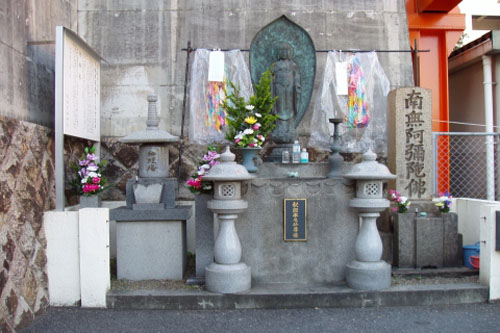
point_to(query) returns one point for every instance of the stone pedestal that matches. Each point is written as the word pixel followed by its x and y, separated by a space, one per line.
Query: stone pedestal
pixel 151 250
pixel 151 244
pixel 368 272
pixel 227 274
pixel 426 241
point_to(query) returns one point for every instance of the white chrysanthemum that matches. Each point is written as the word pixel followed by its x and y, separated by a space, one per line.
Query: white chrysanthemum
pixel 92 174
pixel 84 180
pixel 248 131
pixel 258 115
pixel 93 168
pixel 249 107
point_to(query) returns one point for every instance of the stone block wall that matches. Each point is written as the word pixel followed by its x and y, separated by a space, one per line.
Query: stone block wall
pixel 26 191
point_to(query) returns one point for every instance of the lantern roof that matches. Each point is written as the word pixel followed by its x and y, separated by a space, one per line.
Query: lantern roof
pixel 369 169
pixel 228 169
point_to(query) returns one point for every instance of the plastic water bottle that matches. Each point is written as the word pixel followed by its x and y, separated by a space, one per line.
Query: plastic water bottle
pixel 296 152
pixel 304 156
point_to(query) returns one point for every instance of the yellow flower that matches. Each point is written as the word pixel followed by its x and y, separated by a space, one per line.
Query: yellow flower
pixel 250 120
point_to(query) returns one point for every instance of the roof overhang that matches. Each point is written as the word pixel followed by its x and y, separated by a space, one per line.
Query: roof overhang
pixel 471 53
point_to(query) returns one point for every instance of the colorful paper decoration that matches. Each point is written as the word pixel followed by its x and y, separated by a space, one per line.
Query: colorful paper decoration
pixel 357 115
pixel 215 114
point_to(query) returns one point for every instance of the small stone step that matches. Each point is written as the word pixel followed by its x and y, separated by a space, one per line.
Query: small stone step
pixel 277 296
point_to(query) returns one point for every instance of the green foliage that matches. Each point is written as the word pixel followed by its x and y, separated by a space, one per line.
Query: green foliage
pixel 250 122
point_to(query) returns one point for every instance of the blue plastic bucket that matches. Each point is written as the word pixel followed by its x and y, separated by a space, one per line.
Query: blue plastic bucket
pixel 470 250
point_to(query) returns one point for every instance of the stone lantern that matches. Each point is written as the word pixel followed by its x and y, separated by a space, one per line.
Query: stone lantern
pixel 227 274
pixel 367 271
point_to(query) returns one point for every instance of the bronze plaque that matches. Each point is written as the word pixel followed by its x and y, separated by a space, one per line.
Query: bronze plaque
pixel 295 220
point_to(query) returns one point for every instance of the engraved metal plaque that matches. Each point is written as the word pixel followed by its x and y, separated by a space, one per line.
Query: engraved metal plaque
pixel 295 220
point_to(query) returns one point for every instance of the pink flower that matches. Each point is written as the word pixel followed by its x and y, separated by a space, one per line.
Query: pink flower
pixel 237 140
pixel 90 188
pixel 196 183
pixel 96 180
pixel 256 126
pixel 251 144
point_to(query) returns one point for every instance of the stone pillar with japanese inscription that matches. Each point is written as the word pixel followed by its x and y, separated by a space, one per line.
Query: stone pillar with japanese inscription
pixel 410 142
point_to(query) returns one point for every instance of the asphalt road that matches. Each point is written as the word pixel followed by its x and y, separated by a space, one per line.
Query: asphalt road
pixel 454 318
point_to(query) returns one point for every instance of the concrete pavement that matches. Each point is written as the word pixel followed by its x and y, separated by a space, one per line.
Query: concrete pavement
pixel 481 317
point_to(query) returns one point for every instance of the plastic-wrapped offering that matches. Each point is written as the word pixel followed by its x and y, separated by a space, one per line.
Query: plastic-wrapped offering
pixel 354 88
pixel 207 119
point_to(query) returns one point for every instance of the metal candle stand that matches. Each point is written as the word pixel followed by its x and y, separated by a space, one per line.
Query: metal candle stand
pixel 336 160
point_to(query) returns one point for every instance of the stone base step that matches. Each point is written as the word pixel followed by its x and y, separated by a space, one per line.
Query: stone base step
pixel 277 296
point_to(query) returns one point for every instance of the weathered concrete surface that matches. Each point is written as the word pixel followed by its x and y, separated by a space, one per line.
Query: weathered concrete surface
pixel 27 60
pixel 146 56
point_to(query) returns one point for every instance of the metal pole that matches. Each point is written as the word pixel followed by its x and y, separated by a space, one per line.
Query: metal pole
pixel 186 73
pixel 59 118
pixel 435 137
pixel 488 116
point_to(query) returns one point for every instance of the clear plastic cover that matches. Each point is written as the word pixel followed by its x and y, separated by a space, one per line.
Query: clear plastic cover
pixel 206 116
pixel 354 88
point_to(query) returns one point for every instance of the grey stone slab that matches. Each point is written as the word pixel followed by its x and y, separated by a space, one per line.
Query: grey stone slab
pixel 404 240
pixel 204 234
pixel 124 214
pixel 452 247
pixel 289 296
pixel 429 242
pixel 151 250
pixel 148 206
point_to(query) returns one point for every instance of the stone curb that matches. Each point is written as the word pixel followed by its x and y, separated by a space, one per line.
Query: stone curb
pixel 270 297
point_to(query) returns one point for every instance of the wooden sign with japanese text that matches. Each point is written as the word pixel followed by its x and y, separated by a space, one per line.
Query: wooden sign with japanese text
pixel 295 220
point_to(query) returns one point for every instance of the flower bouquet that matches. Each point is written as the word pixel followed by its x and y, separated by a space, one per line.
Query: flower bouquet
pixel 401 202
pixel 88 179
pixel 196 183
pixel 250 122
pixel 443 202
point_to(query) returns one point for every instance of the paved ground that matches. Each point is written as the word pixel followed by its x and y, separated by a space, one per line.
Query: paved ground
pixel 456 318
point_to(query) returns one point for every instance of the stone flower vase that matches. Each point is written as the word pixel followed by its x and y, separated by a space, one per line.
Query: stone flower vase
pixel 93 201
pixel 249 158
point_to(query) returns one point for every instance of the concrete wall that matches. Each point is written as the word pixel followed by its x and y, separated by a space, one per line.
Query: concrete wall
pixel 476 221
pixel 27 56
pixel 489 270
pixel 469 217
pixel 146 56
pixel 467 98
